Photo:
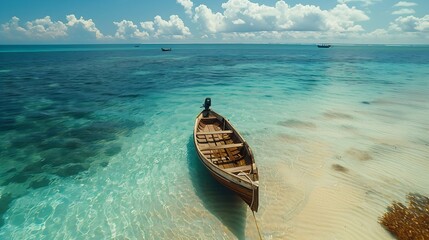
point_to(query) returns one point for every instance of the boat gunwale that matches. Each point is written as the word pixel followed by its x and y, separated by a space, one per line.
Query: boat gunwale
pixel 249 184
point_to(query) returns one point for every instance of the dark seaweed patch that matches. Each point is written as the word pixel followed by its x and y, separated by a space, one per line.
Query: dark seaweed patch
pixel 60 150
pixel 20 177
pixel 106 131
pixel 34 168
pixel 78 113
pixel 59 157
pixel 359 154
pixel 71 151
pixel 104 164
pixel 113 150
pixel 39 183
pixel 7 123
pixel 339 168
pixel 95 132
pixel 73 143
pixel 293 123
pixel 19 142
pixel 70 170
pixel 53 131
pixel 5 200
pixel 11 170
pixel 50 143
pixel 23 175
pixel 26 140
pixel 129 95
pixel 39 116
pixel 24 126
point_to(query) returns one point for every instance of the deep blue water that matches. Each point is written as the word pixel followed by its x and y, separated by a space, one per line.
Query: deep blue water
pixel 69 112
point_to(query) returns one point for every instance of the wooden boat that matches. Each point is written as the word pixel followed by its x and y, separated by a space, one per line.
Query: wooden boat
pixel 166 49
pixel 323 45
pixel 226 155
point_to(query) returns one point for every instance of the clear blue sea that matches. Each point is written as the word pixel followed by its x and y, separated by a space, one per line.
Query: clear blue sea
pixel 96 140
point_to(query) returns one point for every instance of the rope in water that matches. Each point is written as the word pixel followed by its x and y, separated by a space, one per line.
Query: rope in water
pixel 257 227
pixel 253 197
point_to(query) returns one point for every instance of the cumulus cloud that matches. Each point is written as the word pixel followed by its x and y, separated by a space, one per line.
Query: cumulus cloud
pixel 39 29
pixel 410 24
pixel 285 36
pixel 127 30
pixel 403 11
pixel 405 4
pixel 172 28
pixel 46 30
pixel 247 16
pixel 364 2
pixel 81 25
pixel 187 5
pixel 212 22
pixel 408 29
pixel 148 26
pixel 343 18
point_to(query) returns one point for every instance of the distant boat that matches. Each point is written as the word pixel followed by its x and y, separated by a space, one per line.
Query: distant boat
pixel 227 156
pixel 324 45
pixel 166 49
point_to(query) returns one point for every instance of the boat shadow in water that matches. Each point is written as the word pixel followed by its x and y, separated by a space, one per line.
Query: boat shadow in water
pixel 219 200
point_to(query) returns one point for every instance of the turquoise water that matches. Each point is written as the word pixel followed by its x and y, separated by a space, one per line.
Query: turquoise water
pixel 96 140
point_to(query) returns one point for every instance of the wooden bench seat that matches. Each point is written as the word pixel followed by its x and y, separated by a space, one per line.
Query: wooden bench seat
pixel 225 146
pixel 214 132
pixel 239 169
pixel 208 118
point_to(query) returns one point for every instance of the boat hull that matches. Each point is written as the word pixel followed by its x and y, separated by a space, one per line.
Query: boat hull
pixel 242 184
pixel 323 46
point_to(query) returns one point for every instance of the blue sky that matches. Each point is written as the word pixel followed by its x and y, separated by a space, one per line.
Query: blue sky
pixel 224 21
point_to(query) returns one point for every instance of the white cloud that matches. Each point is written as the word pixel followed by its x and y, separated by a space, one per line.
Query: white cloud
pixel 343 18
pixel 403 11
pixel 288 36
pixel 12 27
pixel 211 22
pixel 238 22
pixel 408 29
pixel 394 36
pixel 247 16
pixel 83 26
pixel 46 30
pixel 147 26
pixel 405 4
pixel 172 28
pixel 410 24
pixel 127 30
pixel 39 29
pixel 364 2
pixel 378 33
pixel 187 5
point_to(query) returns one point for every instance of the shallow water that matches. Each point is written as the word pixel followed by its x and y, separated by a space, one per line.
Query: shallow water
pixel 96 141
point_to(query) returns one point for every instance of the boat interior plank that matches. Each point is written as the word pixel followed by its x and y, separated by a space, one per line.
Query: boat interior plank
pixel 214 132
